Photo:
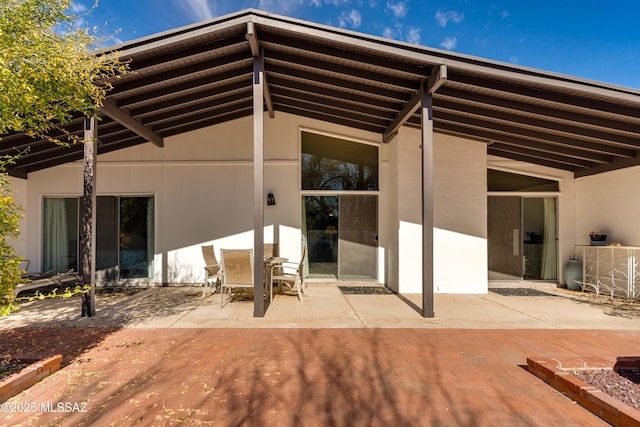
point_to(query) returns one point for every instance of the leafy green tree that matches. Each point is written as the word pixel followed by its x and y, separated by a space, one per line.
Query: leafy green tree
pixel 48 67
pixel 10 214
pixel 49 72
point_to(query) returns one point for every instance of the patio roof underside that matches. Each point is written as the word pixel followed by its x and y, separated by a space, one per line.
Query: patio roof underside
pixel 201 75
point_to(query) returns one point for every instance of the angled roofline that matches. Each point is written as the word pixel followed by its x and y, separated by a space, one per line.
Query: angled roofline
pixel 417 53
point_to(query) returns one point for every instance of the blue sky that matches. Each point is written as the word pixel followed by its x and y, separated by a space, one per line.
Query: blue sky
pixel 589 39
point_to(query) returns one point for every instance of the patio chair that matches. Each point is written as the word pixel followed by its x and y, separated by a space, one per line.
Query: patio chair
pixel 212 269
pixel 237 271
pixel 70 278
pixel 290 275
pixel 34 275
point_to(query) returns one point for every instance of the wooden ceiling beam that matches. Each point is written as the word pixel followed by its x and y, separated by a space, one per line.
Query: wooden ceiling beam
pixel 437 79
pixel 111 109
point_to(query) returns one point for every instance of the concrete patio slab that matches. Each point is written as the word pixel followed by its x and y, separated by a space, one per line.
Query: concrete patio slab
pixel 166 357
pixel 326 306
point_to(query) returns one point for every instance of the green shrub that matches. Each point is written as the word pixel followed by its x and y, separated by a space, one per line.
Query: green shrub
pixel 10 273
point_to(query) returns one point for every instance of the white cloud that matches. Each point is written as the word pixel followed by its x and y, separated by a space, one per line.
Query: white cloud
pixel 199 10
pixel 388 33
pixel 514 59
pixel 444 18
pixel 352 19
pixel 505 14
pixel 449 43
pixel 316 3
pixel 398 9
pixel 413 35
pixel 286 7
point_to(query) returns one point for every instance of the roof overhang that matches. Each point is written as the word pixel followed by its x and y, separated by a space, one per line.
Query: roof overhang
pixel 200 75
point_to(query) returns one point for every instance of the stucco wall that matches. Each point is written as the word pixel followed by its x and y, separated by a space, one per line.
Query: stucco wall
pixel 609 203
pixel 203 185
pixel 460 214
pixel 202 182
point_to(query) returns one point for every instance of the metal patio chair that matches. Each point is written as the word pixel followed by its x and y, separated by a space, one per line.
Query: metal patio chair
pixel 212 269
pixel 237 271
pixel 290 275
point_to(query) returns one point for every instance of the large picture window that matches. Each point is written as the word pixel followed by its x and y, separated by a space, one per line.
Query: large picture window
pixel 335 164
pixel 339 207
pixel 124 236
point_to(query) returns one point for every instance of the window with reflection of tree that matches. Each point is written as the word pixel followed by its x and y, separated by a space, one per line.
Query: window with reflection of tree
pixel 335 164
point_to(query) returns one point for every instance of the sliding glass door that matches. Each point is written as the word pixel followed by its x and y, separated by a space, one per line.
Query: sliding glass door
pixel 320 219
pixel 341 236
pixel 522 238
pixel 124 236
pixel 357 237
pixel 60 234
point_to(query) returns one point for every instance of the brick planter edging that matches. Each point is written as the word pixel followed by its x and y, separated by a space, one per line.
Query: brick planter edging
pixel 557 373
pixel 39 369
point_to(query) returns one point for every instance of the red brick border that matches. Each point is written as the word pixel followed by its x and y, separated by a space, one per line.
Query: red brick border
pixel 39 369
pixel 557 373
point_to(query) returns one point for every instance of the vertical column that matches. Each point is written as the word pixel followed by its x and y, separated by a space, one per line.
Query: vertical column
pixel 88 217
pixel 427 203
pixel 258 186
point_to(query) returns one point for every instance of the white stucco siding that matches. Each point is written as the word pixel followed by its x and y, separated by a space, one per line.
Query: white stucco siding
pixel 202 182
pixel 609 203
pixel 460 214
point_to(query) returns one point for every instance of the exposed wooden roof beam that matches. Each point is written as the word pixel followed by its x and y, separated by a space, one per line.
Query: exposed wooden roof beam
pixel 617 164
pixel 330 111
pixel 279 42
pixel 493 102
pixel 216 92
pixel 488 136
pixel 258 55
pixel 574 130
pixel 240 71
pixel 534 160
pixel 111 109
pixel 541 155
pixel 474 124
pixel 207 105
pixel 539 133
pixel 253 39
pixel 530 92
pixel 337 103
pixel 340 68
pixel 436 80
pixel 315 82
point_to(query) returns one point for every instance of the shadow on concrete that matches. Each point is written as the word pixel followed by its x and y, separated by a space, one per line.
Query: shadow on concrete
pixel 114 308
pixel 42 342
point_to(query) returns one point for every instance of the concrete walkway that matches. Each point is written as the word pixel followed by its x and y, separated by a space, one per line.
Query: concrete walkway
pixel 166 357
pixel 326 306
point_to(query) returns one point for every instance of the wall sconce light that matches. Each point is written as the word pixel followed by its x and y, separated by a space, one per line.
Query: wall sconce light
pixel 271 200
